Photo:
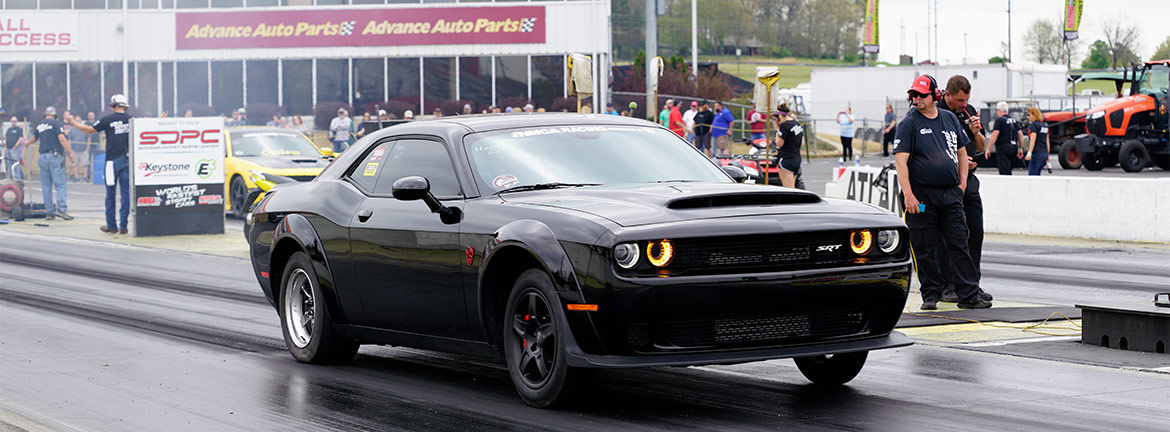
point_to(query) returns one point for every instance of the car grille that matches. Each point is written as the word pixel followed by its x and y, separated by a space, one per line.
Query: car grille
pixel 1095 126
pixel 755 330
pixel 776 252
pixel 302 178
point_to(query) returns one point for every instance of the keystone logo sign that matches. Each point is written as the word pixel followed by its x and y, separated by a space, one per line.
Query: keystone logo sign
pixel 148 169
pixel 360 27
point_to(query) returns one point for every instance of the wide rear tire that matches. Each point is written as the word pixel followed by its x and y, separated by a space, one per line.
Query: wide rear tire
pixel 534 342
pixel 1093 161
pixel 1069 156
pixel 1134 156
pixel 304 318
pixel 832 370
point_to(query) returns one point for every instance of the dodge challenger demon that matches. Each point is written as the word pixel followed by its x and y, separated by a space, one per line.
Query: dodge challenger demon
pixel 555 243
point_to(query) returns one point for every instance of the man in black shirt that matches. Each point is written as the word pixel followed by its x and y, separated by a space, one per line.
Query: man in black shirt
pixel 955 101
pixel 117 129
pixel 14 150
pixel 1006 134
pixel 891 121
pixel 703 120
pixel 54 147
pixel 928 145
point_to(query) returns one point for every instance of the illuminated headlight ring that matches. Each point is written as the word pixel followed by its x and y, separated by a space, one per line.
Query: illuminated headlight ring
pixel 861 241
pixel 659 253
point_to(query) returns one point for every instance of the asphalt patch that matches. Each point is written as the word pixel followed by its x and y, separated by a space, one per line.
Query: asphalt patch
pixel 1008 314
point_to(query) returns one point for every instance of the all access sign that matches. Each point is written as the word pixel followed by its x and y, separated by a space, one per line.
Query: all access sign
pixel 26 32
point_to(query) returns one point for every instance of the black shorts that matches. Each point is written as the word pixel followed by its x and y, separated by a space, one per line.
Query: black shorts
pixel 790 164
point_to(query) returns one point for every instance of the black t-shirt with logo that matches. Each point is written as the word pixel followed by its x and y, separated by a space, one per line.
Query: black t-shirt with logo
pixel 12 135
pixel 963 114
pixel 793 135
pixel 1007 131
pixel 703 120
pixel 117 129
pixel 1041 131
pixel 47 133
pixel 933 145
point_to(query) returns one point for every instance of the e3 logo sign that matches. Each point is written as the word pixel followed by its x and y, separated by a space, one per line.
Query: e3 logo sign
pixel 204 168
pixel 179 137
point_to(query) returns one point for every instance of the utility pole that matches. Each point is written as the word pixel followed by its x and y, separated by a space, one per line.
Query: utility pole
pixel 651 52
pixel 928 51
pixel 936 37
pixel 1009 11
pixel 695 39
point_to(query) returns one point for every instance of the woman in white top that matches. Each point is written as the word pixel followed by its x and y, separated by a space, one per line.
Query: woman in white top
pixel 845 119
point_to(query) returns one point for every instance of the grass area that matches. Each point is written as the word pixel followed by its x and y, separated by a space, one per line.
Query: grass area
pixel 1106 87
pixel 793 71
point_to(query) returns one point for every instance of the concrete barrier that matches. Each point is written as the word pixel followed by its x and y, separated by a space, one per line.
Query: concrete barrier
pixel 1105 208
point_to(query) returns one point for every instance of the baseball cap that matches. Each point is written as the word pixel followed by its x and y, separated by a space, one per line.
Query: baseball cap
pixel 241 111
pixel 694 103
pixel 381 113
pixel 119 100
pixel 50 111
pixel 408 114
pixel 921 85
pixel 342 111
pixel 467 107
pixel 529 107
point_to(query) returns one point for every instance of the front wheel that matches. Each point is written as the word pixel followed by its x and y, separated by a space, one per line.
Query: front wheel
pixel 533 344
pixel 1069 156
pixel 1094 161
pixel 238 194
pixel 835 369
pixel 308 330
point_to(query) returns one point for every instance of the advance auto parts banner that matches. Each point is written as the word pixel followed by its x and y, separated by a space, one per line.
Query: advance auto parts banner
pixel 177 174
pixel 359 27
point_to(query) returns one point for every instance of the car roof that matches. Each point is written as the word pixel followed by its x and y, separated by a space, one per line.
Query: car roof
pixel 488 122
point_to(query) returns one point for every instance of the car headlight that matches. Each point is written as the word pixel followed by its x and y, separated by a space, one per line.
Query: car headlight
pixel 888 240
pixel 659 252
pixel 257 175
pixel 751 171
pixel 861 241
pixel 1097 115
pixel 626 255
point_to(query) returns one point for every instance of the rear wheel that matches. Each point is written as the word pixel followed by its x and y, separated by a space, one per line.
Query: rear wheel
pixel 1094 161
pixel 308 331
pixel 1069 156
pixel 239 197
pixel 1133 156
pixel 533 344
pixel 835 369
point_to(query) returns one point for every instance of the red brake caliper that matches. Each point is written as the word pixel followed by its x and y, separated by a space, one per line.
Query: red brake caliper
pixel 525 341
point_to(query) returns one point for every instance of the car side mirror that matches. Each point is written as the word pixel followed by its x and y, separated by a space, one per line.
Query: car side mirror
pixel 417 187
pixel 736 173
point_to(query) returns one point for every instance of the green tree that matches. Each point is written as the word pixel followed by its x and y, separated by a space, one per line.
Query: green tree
pixel 1122 38
pixel 1098 56
pixel 996 59
pixel 1163 50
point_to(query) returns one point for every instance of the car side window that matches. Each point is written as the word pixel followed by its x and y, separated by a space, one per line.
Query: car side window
pixel 366 173
pixel 416 157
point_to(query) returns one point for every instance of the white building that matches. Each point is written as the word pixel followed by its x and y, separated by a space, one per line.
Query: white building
pixel 170 55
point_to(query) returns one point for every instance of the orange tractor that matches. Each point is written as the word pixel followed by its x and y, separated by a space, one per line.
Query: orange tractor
pixel 1130 130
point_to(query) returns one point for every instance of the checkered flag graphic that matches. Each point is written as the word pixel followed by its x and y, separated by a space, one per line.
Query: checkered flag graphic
pixel 347 27
pixel 527 24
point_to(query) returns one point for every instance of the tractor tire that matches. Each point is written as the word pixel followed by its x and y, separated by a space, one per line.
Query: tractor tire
pixel 1162 161
pixel 1134 156
pixel 1094 161
pixel 1070 157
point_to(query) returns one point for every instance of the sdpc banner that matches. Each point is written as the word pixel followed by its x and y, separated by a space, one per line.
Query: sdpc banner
pixel 177 175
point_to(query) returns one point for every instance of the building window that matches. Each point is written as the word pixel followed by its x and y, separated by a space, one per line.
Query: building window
pixel 333 80
pixel 475 82
pixel 146 87
pixel 168 89
pixel 511 82
pixel 20 4
pixel 548 80
pixel 17 84
pixel 85 95
pixel 51 85
pixel 113 81
pixel 439 85
pixel 227 3
pixel 56 4
pixel 192 87
pixel 227 91
pixel 298 86
pixel 89 4
pixel 403 85
pixel 369 82
pixel 191 4
pixel 262 81
pixel 262 3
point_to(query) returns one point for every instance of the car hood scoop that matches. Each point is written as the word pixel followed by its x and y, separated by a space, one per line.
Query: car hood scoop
pixel 632 205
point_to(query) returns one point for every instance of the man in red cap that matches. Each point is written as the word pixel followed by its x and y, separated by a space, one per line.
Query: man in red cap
pixel 928 146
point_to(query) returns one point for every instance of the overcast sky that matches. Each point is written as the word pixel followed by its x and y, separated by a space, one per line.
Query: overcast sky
pixel 985 24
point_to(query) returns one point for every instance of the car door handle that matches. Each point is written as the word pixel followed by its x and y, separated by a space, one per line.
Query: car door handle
pixel 364 215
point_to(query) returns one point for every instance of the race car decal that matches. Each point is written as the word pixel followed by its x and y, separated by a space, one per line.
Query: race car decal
pixel 505 181
pixel 371 169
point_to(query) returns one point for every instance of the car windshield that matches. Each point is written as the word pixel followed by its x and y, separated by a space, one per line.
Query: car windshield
pixel 272 143
pixel 585 155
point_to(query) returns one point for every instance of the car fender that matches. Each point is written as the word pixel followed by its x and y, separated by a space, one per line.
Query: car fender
pixel 539 240
pixel 297 228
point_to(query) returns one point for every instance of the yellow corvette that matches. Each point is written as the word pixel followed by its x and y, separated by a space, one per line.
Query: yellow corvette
pixel 268 150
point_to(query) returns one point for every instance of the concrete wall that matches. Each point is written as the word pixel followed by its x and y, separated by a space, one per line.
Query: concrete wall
pixel 1106 208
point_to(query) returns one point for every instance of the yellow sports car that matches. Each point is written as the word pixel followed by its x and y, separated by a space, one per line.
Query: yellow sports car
pixel 268 150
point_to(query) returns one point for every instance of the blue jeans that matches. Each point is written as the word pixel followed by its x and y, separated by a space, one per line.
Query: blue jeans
pixel 340 146
pixel 1037 164
pixel 758 136
pixel 121 181
pixel 13 157
pixel 53 177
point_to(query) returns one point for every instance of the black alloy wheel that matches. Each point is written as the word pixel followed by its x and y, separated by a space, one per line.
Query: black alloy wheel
pixel 832 370
pixel 308 330
pixel 239 197
pixel 1134 157
pixel 533 343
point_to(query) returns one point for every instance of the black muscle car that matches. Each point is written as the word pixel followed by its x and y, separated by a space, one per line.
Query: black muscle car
pixel 557 242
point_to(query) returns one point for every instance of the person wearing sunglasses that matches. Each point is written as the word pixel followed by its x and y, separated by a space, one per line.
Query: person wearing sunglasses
pixel 928 146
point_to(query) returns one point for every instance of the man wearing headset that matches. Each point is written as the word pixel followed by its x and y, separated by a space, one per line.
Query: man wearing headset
pixel 117 128
pixel 928 146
